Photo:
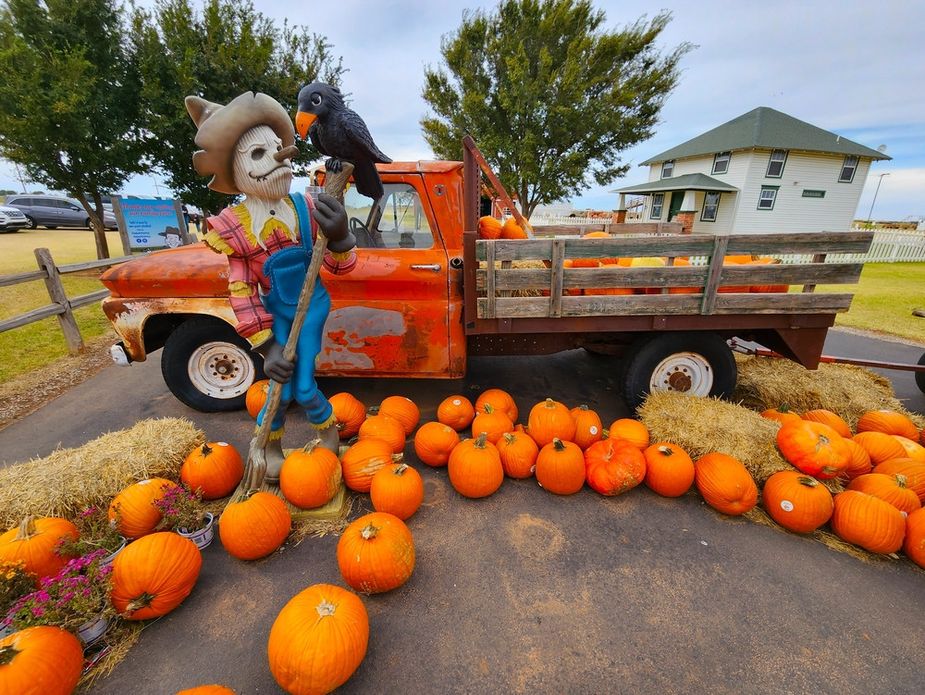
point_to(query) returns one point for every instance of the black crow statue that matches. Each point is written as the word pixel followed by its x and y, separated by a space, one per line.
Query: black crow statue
pixel 340 134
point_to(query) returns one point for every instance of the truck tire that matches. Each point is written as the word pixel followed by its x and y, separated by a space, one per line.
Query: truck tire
pixel 920 376
pixel 208 366
pixel 700 364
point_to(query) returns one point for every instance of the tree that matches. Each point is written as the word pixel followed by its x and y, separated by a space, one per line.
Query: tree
pixel 69 99
pixel 549 95
pixel 227 49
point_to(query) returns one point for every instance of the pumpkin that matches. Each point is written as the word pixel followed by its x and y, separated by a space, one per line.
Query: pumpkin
pixel 256 397
pixel 493 423
pixel 511 230
pixel 376 553
pixel 153 575
pixel 888 422
pixel 475 468
pixel 499 400
pixel 880 446
pixel 386 428
pixel 211 689
pixel 350 413
pixel 318 640
pixel 402 409
pixel 813 448
pixel 560 467
pixel 254 526
pixel 397 489
pixel 215 468
pixel 588 426
pixel 889 488
pixel 827 417
pixel 781 415
pixel 456 412
pixel 311 476
pixel 913 471
pixel 631 430
pixel 669 469
pixel 518 454
pixel 42 660
pixel 613 466
pixel 550 420
pixel 914 450
pixel 361 461
pixel 859 463
pixel 133 508
pixel 725 483
pixel 796 501
pixel 489 227
pixel 868 522
pixel 914 542
pixel 433 443
pixel 33 543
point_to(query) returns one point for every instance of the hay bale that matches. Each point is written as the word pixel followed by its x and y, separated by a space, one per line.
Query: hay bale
pixel 68 480
pixel 850 391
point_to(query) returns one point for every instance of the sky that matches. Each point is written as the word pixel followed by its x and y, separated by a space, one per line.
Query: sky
pixel 853 68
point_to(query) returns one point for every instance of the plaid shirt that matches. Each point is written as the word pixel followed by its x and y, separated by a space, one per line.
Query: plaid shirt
pixel 229 235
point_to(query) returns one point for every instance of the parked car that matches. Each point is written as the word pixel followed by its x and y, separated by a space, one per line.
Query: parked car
pixel 11 219
pixel 54 211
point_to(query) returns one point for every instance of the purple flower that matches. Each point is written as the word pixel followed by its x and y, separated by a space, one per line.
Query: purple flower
pixel 38 611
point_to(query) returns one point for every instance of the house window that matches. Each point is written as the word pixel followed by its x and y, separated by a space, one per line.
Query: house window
pixel 721 162
pixel 776 164
pixel 847 169
pixel 809 193
pixel 667 169
pixel 767 197
pixel 658 200
pixel 710 206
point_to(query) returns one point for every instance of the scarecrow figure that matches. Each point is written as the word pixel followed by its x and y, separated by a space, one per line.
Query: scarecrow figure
pixel 246 146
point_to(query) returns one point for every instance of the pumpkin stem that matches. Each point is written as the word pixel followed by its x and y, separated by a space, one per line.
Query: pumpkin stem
pixel 26 529
pixel 488 408
pixel 509 437
pixel 665 450
pixel 482 439
pixel 325 608
pixel 372 410
pixel 900 480
pixel 402 467
pixel 557 443
pixel 550 403
pixel 142 601
pixel 369 532
pixel 583 407
pixel 206 449
pixel 7 654
pixel 807 481
pixel 310 446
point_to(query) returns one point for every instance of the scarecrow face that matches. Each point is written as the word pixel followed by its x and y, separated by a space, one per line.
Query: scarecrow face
pixel 261 165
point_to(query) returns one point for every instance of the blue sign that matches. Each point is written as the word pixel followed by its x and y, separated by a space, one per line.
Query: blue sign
pixel 151 223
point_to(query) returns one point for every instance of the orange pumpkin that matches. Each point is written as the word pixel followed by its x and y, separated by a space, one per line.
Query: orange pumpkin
pixel 360 462
pixel 613 466
pixel 588 426
pixel 350 413
pixel 725 483
pixel 880 446
pixel 914 450
pixel 669 469
pixel 376 553
pixel 310 477
pixel 456 412
pixel 889 488
pixel 493 423
pixel 153 575
pixel 868 522
pixel 385 428
pixel 827 417
pixel 499 400
pixel 912 471
pixel 475 468
pixel 781 415
pixel 33 543
pixel 914 542
pixel 133 508
pixel 633 431
pixel 560 467
pixel 211 689
pixel 518 454
pixel 813 448
pixel 550 420
pixel 433 443
pixel 888 422
pixel 402 409
pixel 860 461
pixel 254 526
pixel 489 227
pixel 256 397
pixel 397 489
pixel 511 230
pixel 43 660
pixel 796 501
pixel 215 468
pixel 318 639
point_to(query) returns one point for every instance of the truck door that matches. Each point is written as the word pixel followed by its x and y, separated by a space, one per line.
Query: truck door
pixel 390 314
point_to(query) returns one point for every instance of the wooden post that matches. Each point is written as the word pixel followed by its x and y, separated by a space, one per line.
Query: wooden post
pixel 469 146
pixel 58 296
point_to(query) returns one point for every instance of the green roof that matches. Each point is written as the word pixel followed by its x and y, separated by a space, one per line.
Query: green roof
pixel 767 129
pixel 687 182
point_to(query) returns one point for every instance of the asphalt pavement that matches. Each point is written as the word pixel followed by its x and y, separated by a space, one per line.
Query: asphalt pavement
pixel 529 592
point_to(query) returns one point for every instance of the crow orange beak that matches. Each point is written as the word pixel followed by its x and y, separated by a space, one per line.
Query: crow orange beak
pixel 303 122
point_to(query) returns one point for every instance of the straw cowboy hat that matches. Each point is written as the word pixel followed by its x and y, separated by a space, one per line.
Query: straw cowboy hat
pixel 220 127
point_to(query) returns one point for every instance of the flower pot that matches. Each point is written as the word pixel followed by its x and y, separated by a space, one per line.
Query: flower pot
pixel 112 556
pixel 202 537
pixel 92 630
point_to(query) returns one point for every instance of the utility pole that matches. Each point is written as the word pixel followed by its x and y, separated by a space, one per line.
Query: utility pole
pixel 871 211
pixel 22 181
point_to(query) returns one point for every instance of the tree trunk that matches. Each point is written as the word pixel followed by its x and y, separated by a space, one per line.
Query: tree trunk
pixel 96 215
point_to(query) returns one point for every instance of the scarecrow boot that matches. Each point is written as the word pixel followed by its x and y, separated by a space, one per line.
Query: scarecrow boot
pixel 274 456
pixel 324 423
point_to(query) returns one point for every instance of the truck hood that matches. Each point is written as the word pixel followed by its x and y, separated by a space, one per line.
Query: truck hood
pixel 188 271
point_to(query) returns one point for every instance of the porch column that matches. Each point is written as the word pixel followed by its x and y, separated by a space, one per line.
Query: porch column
pixel 619 215
pixel 685 216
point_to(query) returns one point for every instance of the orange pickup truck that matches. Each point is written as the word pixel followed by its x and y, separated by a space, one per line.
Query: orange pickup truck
pixel 426 294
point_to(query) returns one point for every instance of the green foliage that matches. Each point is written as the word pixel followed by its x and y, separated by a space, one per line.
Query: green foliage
pixel 550 95
pixel 225 50
pixel 69 106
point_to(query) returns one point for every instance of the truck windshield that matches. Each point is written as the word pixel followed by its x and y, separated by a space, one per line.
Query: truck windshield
pixel 399 221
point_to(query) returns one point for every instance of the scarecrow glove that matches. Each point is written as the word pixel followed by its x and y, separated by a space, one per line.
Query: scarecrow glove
pixel 332 218
pixel 275 365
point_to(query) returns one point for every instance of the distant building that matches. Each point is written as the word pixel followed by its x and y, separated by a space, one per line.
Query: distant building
pixel 764 171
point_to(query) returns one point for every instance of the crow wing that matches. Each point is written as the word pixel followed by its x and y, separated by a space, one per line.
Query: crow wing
pixel 359 136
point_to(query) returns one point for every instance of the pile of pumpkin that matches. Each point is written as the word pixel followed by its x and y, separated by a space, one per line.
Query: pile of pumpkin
pixel 493 228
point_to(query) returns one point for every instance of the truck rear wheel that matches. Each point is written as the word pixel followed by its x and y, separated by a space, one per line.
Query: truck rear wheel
pixel 700 364
pixel 208 366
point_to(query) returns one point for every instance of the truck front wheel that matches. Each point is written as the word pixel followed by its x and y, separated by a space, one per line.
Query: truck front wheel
pixel 208 366
pixel 700 364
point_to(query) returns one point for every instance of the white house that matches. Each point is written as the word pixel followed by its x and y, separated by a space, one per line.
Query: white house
pixel 762 172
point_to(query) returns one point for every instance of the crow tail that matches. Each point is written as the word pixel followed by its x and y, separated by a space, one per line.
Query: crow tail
pixel 367 179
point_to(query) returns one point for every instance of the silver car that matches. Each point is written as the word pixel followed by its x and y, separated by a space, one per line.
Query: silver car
pixel 11 219
pixel 54 211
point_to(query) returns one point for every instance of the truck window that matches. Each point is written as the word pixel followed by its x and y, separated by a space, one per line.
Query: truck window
pixel 398 222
